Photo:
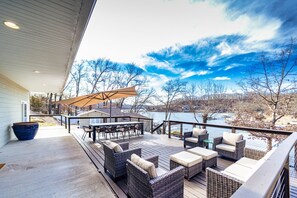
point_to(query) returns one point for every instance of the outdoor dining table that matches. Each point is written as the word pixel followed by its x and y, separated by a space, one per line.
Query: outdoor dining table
pixel 108 124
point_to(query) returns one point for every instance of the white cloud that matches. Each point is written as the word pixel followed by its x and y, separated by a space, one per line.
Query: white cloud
pixel 156 81
pixel 187 74
pixel 222 78
pixel 124 31
pixel 211 60
pixel 231 66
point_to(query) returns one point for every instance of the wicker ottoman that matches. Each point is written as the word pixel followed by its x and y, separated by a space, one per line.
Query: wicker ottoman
pixel 209 156
pixel 191 162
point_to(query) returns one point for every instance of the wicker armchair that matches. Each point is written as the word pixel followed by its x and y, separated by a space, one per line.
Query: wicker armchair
pixel 189 140
pixel 115 163
pixel 221 185
pixel 228 150
pixel 170 184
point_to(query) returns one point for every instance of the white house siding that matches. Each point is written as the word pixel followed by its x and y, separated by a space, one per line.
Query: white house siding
pixel 84 122
pixel 11 97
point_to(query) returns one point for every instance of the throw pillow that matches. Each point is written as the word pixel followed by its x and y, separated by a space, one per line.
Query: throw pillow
pixel 147 166
pixel 114 146
pixel 197 132
pixel 231 138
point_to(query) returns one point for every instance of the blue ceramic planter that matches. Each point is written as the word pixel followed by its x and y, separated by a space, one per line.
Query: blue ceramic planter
pixel 25 130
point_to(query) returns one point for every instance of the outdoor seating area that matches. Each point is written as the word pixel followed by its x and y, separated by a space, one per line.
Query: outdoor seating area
pixel 206 173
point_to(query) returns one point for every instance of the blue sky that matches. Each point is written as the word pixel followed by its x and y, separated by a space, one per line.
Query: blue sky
pixel 193 40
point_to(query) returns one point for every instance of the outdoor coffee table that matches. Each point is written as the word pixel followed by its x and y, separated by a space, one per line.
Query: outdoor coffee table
pixel 191 162
pixel 209 156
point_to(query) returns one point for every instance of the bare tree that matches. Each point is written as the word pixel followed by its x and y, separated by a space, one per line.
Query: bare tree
pixel 171 91
pixel 129 75
pixel 191 99
pixel 271 85
pixel 98 71
pixel 208 98
pixel 274 82
pixel 144 97
pixel 77 74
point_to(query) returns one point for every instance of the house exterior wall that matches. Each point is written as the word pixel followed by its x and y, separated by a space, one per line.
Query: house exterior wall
pixel 85 122
pixel 11 97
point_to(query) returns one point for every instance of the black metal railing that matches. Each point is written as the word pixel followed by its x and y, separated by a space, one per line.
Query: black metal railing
pixel 67 119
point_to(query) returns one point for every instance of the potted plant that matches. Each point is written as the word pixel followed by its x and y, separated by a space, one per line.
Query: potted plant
pixel 25 130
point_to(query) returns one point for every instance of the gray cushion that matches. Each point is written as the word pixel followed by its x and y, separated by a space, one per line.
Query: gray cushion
pixel 192 139
pixel 149 167
pixel 114 146
pixel 226 147
pixel 242 173
pixel 186 159
pixel 197 132
pixel 231 138
pixel 248 162
pixel 206 154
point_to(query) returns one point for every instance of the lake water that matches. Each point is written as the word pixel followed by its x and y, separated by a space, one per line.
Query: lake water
pixel 213 132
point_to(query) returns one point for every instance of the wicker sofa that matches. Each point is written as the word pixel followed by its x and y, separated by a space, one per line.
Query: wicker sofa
pixel 195 138
pixel 140 184
pixel 230 145
pixel 222 184
pixel 115 162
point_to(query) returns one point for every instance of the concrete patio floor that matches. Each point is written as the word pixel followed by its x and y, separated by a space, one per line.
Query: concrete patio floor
pixel 51 165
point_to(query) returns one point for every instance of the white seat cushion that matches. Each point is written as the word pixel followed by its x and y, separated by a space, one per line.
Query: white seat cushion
pixel 114 146
pixel 206 154
pixel 149 167
pixel 186 159
pixel 231 138
pixel 237 171
pixel 197 132
pixel 192 139
pixel 248 162
pixel 226 147
pixel 160 171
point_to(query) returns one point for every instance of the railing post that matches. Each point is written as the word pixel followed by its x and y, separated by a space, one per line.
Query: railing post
pixel 116 119
pixel 152 126
pixel 169 129
pixel 233 130
pixel 65 120
pixel 295 156
pixel 164 127
pixel 68 125
pixel 181 131
pixel 61 119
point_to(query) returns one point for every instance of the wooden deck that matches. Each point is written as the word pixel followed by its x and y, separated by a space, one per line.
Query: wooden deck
pixel 151 145
pixel 161 145
pixel 51 165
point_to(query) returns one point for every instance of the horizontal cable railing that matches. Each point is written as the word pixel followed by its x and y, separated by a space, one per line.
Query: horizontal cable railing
pixel 272 178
